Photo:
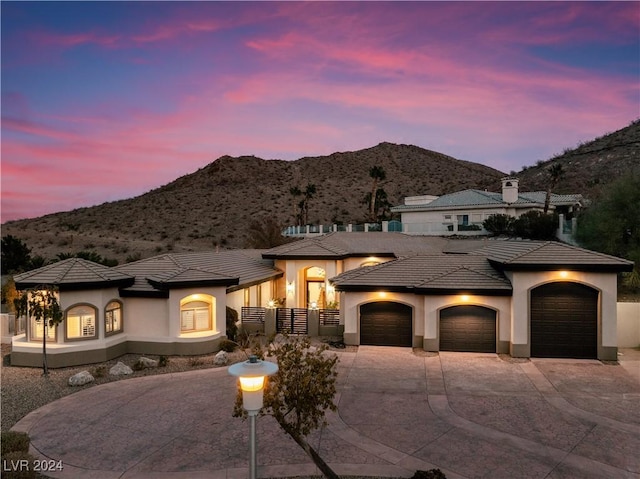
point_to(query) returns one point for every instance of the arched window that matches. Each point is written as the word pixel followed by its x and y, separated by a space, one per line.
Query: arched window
pixel 80 322
pixel 195 316
pixel 113 318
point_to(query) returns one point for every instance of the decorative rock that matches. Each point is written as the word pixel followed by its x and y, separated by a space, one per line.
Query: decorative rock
pixel 147 362
pixel 80 379
pixel 120 369
pixel 221 359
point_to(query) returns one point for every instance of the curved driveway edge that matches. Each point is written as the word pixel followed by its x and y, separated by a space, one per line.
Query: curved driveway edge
pixel 470 415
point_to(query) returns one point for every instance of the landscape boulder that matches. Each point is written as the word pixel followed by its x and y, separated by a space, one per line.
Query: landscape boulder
pixel 120 369
pixel 221 359
pixel 80 379
pixel 147 363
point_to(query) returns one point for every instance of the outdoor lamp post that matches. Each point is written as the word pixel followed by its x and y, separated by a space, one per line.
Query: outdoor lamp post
pixel 252 374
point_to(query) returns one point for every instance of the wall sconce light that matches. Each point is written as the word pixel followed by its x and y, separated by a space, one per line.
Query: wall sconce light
pixel 313 305
pixel 290 288
pixel 271 304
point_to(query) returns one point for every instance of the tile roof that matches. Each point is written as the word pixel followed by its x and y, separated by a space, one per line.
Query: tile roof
pixel 544 255
pixel 428 273
pixel 231 268
pixel 469 198
pixel 340 245
pixel 73 273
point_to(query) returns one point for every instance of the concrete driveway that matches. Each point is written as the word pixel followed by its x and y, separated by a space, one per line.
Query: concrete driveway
pixel 470 415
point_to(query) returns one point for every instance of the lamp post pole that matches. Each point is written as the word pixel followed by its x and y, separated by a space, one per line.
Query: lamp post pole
pixel 253 453
pixel 252 374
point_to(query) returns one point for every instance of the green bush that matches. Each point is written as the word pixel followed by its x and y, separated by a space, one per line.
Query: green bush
pixel 228 346
pixel 536 225
pixel 13 441
pixel 499 224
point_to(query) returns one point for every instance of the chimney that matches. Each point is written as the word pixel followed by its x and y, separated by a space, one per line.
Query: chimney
pixel 509 190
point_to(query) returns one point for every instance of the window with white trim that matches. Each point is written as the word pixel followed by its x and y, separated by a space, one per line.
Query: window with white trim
pixel 113 318
pixel 80 322
pixel 195 316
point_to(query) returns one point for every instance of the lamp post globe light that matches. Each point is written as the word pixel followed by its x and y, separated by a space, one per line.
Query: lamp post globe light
pixel 252 374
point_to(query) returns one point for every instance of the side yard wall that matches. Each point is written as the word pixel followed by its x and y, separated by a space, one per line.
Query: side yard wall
pixel 628 325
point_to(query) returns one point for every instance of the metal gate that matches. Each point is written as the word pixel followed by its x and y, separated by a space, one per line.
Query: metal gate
pixel 292 320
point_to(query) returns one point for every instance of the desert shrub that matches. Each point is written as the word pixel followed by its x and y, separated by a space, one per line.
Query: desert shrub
pixel 163 361
pixel 13 441
pixel 536 225
pixel 499 224
pixel 195 361
pixel 138 366
pixel 99 371
pixel 232 326
pixel 228 346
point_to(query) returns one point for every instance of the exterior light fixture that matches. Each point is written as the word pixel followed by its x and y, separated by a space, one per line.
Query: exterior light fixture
pixel 564 274
pixel 382 294
pixel 464 297
pixel 271 304
pixel 252 374
pixel 290 288
pixel 314 305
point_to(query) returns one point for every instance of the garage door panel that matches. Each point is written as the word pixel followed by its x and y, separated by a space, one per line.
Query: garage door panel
pixel 386 323
pixel 564 321
pixel 468 329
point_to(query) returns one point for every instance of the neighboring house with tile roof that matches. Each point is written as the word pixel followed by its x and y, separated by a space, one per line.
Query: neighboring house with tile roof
pixel 463 212
pixel 525 298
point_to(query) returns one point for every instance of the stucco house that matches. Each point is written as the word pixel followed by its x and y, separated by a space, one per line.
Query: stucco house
pixel 520 297
pixel 464 211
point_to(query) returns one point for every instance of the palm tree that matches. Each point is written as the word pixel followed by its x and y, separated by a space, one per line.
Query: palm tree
pixel 297 216
pixel 377 175
pixel 309 192
pixel 555 175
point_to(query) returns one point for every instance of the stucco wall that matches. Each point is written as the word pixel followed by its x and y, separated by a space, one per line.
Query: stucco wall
pixel 523 282
pixel 426 311
pixel 628 325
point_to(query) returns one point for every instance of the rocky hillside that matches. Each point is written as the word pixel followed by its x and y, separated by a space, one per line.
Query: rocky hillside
pixel 590 165
pixel 214 206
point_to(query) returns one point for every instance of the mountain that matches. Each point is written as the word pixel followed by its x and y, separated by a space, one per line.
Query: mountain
pixel 214 206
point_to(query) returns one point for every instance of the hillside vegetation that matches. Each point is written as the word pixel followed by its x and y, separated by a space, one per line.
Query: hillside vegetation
pixel 213 207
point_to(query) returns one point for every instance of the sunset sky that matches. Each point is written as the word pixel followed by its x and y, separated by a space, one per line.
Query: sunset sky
pixel 106 100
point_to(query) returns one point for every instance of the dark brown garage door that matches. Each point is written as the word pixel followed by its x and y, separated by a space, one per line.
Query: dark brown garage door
pixel 564 321
pixel 386 323
pixel 468 328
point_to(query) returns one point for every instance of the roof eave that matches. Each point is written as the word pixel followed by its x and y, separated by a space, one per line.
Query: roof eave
pixel 161 285
pixel 594 268
pixel 83 285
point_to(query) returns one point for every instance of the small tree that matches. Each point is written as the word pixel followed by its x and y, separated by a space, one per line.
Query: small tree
pixel 43 306
pixel 377 175
pixel 555 175
pixel 16 255
pixel 299 394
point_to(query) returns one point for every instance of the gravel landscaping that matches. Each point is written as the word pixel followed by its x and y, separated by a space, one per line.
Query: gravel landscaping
pixel 26 389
